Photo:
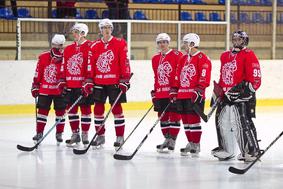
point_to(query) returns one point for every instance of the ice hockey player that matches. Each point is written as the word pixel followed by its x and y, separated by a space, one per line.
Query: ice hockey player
pixel 164 67
pixel 188 89
pixel 44 87
pixel 73 73
pixel 109 71
pixel 240 77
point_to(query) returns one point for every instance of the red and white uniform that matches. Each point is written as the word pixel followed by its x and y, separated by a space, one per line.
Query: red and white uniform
pixel 164 68
pixel 47 74
pixel 192 72
pixel 75 64
pixel 235 68
pixel 108 62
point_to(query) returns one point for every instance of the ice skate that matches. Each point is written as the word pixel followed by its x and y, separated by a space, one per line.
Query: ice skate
pixel 161 148
pixel 119 142
pixel 59 138
pixel 185 151
pixel 75 140
pixel 85 140
pixel 37 137
pixel 221 154
pixel 98 142
pixel 195 149
pixel 246 157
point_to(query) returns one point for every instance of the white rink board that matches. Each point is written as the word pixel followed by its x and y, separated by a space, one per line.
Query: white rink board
pixel 16 78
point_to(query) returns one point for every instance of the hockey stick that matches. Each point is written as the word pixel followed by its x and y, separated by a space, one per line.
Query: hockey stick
pixel 243 171
pixel 199 111
pixel 83 151
pixel 135 128
pixel 28 149
pixel 129 157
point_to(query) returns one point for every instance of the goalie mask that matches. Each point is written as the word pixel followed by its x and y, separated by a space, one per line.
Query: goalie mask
pixel 240 39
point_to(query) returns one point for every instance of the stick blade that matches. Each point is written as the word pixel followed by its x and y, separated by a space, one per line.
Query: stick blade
pixel 237 171
pixel 122 157
pixel 79 152
pixel 25 149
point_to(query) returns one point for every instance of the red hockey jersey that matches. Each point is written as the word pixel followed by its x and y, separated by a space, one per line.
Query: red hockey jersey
pixel 74 67
pixel 237 67
pixel 47 74
pixel 108 62
pixel 164 68
pixel 192 72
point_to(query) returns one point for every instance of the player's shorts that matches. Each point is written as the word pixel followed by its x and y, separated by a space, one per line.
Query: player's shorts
pixel 44 102
pixel 185 106
pixel 161 103
pixel 73 94
pixel 101 92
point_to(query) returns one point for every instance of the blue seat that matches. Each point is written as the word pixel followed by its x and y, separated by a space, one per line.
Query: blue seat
pixel 233 18
pixel 24 13
pixel 54 13
pixel 154 1
pixel 78 14
pixel 186 16
pixel 168 1
pixel 244 17
pixel 241 2
pixel 280 18
pixel 200 16
pixel 105 14
pixel 139 15
pixel 221 2
pixel 252 2
pixel 257 18
pixel 214 16
pixel 91 14
pixel 268 17
pixel 265 2
pixel 6 13
pixel 198 2
pixel 184 1
pixel 280 2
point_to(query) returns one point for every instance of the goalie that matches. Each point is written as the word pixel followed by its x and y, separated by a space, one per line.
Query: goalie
pixel 240 77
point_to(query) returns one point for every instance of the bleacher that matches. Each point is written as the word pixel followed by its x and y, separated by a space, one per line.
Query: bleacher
pixel 255 16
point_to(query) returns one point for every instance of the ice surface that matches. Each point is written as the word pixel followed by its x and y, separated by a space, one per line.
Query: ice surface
pixel 57 167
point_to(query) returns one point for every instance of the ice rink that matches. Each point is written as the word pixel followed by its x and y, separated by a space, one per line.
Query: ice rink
pixel 57 167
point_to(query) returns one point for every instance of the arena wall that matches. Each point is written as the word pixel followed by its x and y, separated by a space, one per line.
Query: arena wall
pixel 16 78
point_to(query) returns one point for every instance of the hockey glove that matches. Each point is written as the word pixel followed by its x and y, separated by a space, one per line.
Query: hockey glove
pixel 197 96
pixel 173 93
pixel 35 90
pixel 124 86
pixel 242 92
pixel 87 87
pixel 62 87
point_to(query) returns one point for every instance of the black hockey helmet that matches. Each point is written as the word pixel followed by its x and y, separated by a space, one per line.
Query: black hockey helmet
pixel 240 39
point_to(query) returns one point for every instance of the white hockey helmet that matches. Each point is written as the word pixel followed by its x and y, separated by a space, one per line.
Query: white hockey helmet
pixel 81 28
pixel 105 22
pixel 192 37
pixel 58 39
pixel 163 37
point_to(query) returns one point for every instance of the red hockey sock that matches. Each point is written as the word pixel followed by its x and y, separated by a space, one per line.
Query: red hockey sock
pixel 41 120
pixel 195 127
pixel 74 119
pixel 174 124
pixel 164 124
pixel 85 118
pixel 60 126
pixel 119 120
pixel 98 118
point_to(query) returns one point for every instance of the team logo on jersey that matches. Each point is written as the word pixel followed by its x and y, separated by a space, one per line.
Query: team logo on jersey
pixel 187 73
pixel 228 72
pixel 74 64
pixel 50 73
pixel 163 71
pixel 104 61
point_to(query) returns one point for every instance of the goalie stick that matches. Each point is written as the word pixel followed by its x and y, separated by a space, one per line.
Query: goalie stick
pixel 83 151
pixel 129 157
pixel 135 128
pixel 243 171
pixel 29 149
